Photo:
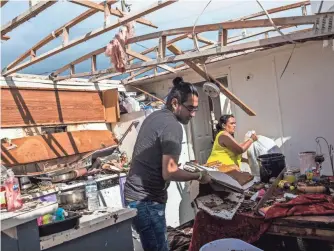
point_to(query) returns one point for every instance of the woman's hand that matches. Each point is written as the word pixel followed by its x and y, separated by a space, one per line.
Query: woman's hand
pixel 254 137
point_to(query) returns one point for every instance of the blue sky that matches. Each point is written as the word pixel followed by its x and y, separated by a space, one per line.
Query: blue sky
pixel 182 13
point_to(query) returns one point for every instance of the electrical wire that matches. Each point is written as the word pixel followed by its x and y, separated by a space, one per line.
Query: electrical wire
pixel 195 38
pixel 274 25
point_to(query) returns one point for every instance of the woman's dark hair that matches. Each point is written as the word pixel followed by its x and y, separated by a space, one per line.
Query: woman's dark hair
pixel 222 121
pixel 180 91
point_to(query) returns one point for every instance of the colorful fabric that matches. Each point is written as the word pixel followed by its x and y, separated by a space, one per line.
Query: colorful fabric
pixel 307 204
pixel 208 228
pixel 222 154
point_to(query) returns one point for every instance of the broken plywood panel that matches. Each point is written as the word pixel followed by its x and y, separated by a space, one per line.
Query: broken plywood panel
pixel 26 107
pixel 55 145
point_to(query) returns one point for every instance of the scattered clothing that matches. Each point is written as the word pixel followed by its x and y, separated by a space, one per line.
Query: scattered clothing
pixel 179 238
pixel 116 48
pixel 308 204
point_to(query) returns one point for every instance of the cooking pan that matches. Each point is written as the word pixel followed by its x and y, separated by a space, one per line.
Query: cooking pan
pixel 72 197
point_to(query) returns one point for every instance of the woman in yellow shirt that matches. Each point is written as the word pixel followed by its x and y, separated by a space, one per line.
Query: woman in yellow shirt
pixel 226 149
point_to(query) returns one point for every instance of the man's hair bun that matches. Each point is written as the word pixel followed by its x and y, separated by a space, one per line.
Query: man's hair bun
pixel 178 82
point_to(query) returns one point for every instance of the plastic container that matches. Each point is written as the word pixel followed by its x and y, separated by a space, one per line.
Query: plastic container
pixel 92 194
pixel 13 193
pixel 229 245
pixel 307 161
pixel 271 165
pixel 59 226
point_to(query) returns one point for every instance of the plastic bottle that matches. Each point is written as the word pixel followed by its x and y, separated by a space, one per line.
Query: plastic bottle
pixel 92 194
pixel 13 193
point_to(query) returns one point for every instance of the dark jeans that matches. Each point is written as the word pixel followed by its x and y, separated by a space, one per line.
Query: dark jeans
pixel 150 224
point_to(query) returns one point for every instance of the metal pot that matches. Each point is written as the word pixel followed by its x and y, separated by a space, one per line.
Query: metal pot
pixel 72 197
pixel 64 177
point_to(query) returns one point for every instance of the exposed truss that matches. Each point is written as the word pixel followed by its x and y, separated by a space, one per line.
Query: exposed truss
pixel 64 30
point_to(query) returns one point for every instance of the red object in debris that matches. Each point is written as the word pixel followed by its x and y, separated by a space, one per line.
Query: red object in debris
pixel 13 193
pixel 308 204
pixel 80 172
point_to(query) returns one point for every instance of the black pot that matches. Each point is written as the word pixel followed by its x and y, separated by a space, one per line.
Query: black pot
pixel 271 165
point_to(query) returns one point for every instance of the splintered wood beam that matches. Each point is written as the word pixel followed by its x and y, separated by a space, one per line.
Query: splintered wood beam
pixel 56 33
pixel 147 59
pixel 32 12
pixel 258 23
pixel 147 93
pixel 3 2
pixel 210 78
pixel 112 11
pixel 90 35
pixel 275 10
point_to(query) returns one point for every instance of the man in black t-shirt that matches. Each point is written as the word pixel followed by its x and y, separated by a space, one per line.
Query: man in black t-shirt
pixel 155 164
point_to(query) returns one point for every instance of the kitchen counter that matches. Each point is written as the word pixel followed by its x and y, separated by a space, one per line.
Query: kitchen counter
pixel 110 230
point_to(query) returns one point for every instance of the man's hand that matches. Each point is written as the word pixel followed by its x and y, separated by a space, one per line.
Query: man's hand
pixel 206 178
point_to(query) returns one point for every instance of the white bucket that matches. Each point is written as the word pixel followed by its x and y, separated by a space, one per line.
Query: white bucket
pixel 229 245
pixel 307 161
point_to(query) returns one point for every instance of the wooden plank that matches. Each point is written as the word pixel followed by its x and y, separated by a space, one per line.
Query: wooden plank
pixel 50 146
pixel 3 2
pixel 258 23
pixel 27 107
pixel 57 33
pixel 275 10
pixel 110 102
pixel 139 73
pixel 88 4
pixel 202 39
pixel 32 12
pixel 93 68
pixel 210 78
pixel 90 35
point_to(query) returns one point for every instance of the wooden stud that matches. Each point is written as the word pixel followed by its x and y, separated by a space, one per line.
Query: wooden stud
pixel 5 37
pixel 32 54
pixel 72 69
pixel 65 36
pixel 107 14
pixel 90 35
pixel 304 10
pixel 93 68
pixel 210 78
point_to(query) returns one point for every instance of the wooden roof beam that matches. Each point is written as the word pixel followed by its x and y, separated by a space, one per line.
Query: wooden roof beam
pixel 210 78
pixel 32 12
pixel 89 35
pixel 275 10
pixel 5 37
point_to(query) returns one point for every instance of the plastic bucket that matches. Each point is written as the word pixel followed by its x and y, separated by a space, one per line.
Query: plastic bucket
pixel 229 245
pixel 271 165
pixel 306 161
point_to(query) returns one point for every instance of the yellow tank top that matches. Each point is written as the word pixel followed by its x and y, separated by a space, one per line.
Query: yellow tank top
pixel 223 154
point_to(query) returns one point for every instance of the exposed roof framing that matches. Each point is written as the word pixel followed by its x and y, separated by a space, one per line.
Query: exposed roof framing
pixel 189 35
pixel 88 36
pixel 32 12
pixel 216 51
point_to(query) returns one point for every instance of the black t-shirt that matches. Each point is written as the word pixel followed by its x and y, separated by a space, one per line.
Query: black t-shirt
pixel 160 134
